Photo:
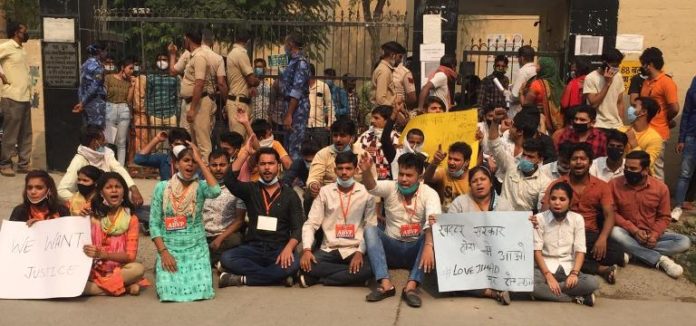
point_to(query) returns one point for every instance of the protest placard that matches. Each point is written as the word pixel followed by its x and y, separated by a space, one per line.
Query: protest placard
pixel 45 260
pixel 484 250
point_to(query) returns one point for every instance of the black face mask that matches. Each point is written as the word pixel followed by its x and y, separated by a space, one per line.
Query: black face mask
pixel 614 153
pixel 559 216
pixel 643 71
pixel 633 178
pixel 85 190
pixel 581 127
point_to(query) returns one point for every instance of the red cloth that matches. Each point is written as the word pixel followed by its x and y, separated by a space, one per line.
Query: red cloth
pixel 597 140
pixel 589 203
pixel 572 94
pixel 644 208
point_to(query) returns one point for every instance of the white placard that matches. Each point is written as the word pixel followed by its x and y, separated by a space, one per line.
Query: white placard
pixel 629 43
pixel 45 260
pixel 432 29
pixel 484 250
pixel 432 52
pixel 588 44
pixel 59 30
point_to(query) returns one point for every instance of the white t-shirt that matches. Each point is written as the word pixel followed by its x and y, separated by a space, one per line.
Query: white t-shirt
pixel 440 88
pixel 608 112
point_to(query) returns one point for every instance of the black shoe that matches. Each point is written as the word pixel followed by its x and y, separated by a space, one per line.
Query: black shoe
pixel 227 279
pixel 411 298
pixel 145 228
pixel 307 280
pixel 588 300
pixel 289 281
pixel 379 294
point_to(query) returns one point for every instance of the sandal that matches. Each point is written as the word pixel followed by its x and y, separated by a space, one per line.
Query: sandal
pixel 610 276
pixel 134 289
pixel 503 297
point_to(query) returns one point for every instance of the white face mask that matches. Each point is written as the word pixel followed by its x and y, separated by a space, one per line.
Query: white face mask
pixel 162 64
pixel 267 143
pixel 38 200
pixel 416 149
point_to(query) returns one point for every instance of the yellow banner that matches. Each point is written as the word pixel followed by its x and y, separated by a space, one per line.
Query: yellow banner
pixel 445 129
pixel 629 68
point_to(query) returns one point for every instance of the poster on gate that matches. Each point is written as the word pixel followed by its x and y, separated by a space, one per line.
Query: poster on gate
pixel 488 250
pixel 628 69
pixel 445 129
pixel 45 260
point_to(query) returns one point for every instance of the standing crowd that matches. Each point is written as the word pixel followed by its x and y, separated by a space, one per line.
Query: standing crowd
pixel 254 211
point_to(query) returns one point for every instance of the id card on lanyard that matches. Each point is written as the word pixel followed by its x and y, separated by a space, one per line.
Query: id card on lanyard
pixel 266 222
pixel 345 230
pixel 176 222
pixel 411 229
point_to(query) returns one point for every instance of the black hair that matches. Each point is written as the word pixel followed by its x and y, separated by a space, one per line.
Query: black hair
pixel 411 160
pixel 125 63
pixel 260 127
pixel 52 199
pixel 267 151
pixel 434 99
pixel 527 52
pixel 527 121
pixel 194 35
pixel 13 28
pixel 488 107
pixel 242 35
pixel 612 56
pixel 501 57
pixel 262 60
pixel 330 72
pixel 312 70
pixel 591 111
pixel 650 105
pixel 613 134
pixel 207 36
pixel 417 132
pixel 346 157
pixel 177 133
pixel 584 147
pixel 652 55
pixel 462 148
pixel 296 40
pixel 565 187
pixel 343 126
pixel 643 156
pixel 90 133
pixel 385 111
pixel 534 145
pixel 448 60
pixel 565 149
pixel 309 147
pixel 569 115
pixel 95 48
pixel 91 171
pixel 217 154
pixel 583 66
pixel 100 209
pixel 391 48
pixel 232 138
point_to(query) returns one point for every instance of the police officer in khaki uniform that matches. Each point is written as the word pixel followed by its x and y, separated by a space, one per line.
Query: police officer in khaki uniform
pixel 241 78
pixel 197 91
pixel 383 89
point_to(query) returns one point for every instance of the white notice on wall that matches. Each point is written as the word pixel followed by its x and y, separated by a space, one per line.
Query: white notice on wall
pixel 629 43
pixel 45 260
pixel 432 29
pixel 59 30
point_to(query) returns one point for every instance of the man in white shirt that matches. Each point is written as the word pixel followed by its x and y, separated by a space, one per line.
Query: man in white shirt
pixel 611 166
pixel 342 210
pixel 441 83
pixel 321 108
pixel 528 69
pixel 407 240
pixel 561 167
pixel 604 89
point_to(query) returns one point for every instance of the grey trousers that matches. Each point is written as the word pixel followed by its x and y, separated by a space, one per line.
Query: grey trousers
pixel 16 131
pixel 586 285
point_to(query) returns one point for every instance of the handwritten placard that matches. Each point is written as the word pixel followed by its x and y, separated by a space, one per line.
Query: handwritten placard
pixel 45 260
pixel 484 250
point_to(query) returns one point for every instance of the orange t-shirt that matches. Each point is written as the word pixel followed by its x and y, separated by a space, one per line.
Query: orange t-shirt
pixel 663 90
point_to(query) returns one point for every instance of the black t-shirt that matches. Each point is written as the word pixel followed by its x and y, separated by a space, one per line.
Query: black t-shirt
pixel 635 85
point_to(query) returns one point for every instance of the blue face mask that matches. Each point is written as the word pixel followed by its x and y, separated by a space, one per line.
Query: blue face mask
pixel 258 71
pixel 407 191
pixel 270 183
pixel 526 166
pixel 346 148
pixel 101 149
pixel 631 114
pixel 345 183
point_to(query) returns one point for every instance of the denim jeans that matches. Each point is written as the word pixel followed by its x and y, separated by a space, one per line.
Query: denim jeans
pixel 385 252
pixel 257 261
pixel 119 116
pixel 688 164
pixel 332 269
pixel 668 244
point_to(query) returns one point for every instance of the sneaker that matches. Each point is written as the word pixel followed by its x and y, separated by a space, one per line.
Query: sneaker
pixel 588 300
pixel 671 268
pixel 228 279
pixel 7 171
pixel 307 281
pixel 219 267
pixel 626 260
pixel 289 281
pixel 676 213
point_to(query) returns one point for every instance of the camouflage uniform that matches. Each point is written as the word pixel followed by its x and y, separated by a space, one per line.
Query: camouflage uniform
pixel 294 82
pixel 92 93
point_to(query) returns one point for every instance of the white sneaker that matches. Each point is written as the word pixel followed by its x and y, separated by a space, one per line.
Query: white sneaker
pixel 627 259
pixel 676 213
pixel 671 268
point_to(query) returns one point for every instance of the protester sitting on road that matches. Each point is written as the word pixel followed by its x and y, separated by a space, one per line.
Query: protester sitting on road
pixel 611 166
pixel 223 216
pixel 299 170
pixel 182 267
pixel 559 252
pixel 40 201
pixel 92 151
pixel 340 260
pixel 642 135
pixel 593 201
pixel 162 161
pixel 643 215
pixel 373 140
pixel 267 255
pixel 482 198
pixel 413 144
pixel 114 241
pixel 561 166
pixel 407 240
pixel 264 137
pixel 231 142
pixel 452 181
pixel 80 204
pixel 434 104
pixel 583 131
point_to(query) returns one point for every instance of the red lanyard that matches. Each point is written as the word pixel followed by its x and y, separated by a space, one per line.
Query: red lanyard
pixel 344 210
pixel 272 198
pixel 410 212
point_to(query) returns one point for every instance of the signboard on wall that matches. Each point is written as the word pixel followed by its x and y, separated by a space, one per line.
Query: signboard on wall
pixel 60 65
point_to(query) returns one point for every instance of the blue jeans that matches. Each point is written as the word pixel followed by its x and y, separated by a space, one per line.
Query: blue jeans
pixel 385 252
pixel 257 261
pixel 687 169
pixel 119 116
pixel 668 244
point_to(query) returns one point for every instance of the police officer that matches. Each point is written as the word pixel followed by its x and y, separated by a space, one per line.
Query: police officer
pixel 92 93
pixel 294 85
pixel 241 78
